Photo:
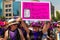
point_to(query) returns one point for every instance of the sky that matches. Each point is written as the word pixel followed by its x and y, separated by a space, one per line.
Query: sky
pixel 55 3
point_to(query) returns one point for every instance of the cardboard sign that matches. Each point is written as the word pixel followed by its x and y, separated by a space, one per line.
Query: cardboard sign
pixel 36 11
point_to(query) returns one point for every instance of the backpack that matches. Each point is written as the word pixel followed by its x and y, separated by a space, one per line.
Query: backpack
pixel 17 35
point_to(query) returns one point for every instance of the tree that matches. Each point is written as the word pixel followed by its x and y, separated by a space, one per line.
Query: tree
pixel 57 16
pixel 2 18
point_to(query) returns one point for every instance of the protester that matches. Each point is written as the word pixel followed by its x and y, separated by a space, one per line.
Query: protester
pixel 13 33
pixel 35 34
pixel 18 29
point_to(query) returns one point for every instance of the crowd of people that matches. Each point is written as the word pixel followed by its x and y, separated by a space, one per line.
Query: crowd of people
pixel 17 29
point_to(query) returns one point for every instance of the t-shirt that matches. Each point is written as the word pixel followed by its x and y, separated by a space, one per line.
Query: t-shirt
pixel 35 35
pixel 24 33
pixel 13 35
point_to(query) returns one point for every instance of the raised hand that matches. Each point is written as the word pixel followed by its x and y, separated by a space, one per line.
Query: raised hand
pixel 19 19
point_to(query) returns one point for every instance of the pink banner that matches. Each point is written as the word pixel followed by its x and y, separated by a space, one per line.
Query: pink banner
pixel 36 10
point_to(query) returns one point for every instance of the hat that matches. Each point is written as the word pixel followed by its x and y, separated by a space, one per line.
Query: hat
pixel 11 22
pixel 35 24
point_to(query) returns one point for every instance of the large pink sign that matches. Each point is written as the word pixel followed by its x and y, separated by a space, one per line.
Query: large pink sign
pixel 35 11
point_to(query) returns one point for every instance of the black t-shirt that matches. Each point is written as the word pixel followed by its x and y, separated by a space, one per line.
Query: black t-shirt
pixel 48 32
pixel 24 33
pixel 35 35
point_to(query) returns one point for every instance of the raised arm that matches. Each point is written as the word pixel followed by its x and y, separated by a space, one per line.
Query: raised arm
pixel 6 35
pixel 23 24
pixel 21 34
pixel 45 27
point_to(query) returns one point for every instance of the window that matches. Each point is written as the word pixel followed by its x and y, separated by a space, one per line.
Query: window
pixel 6 6
pixel 7 10
pixel 9 14
pixel 6 18
pixel 6 14
pixel 9 5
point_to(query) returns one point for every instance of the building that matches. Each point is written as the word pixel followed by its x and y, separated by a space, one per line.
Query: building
pixel 1 8
pixel 16 9
pixel 0 12
pixel 8 9
pixel 52 10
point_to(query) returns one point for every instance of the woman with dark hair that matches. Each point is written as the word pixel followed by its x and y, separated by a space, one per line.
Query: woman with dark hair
pixel 13 32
